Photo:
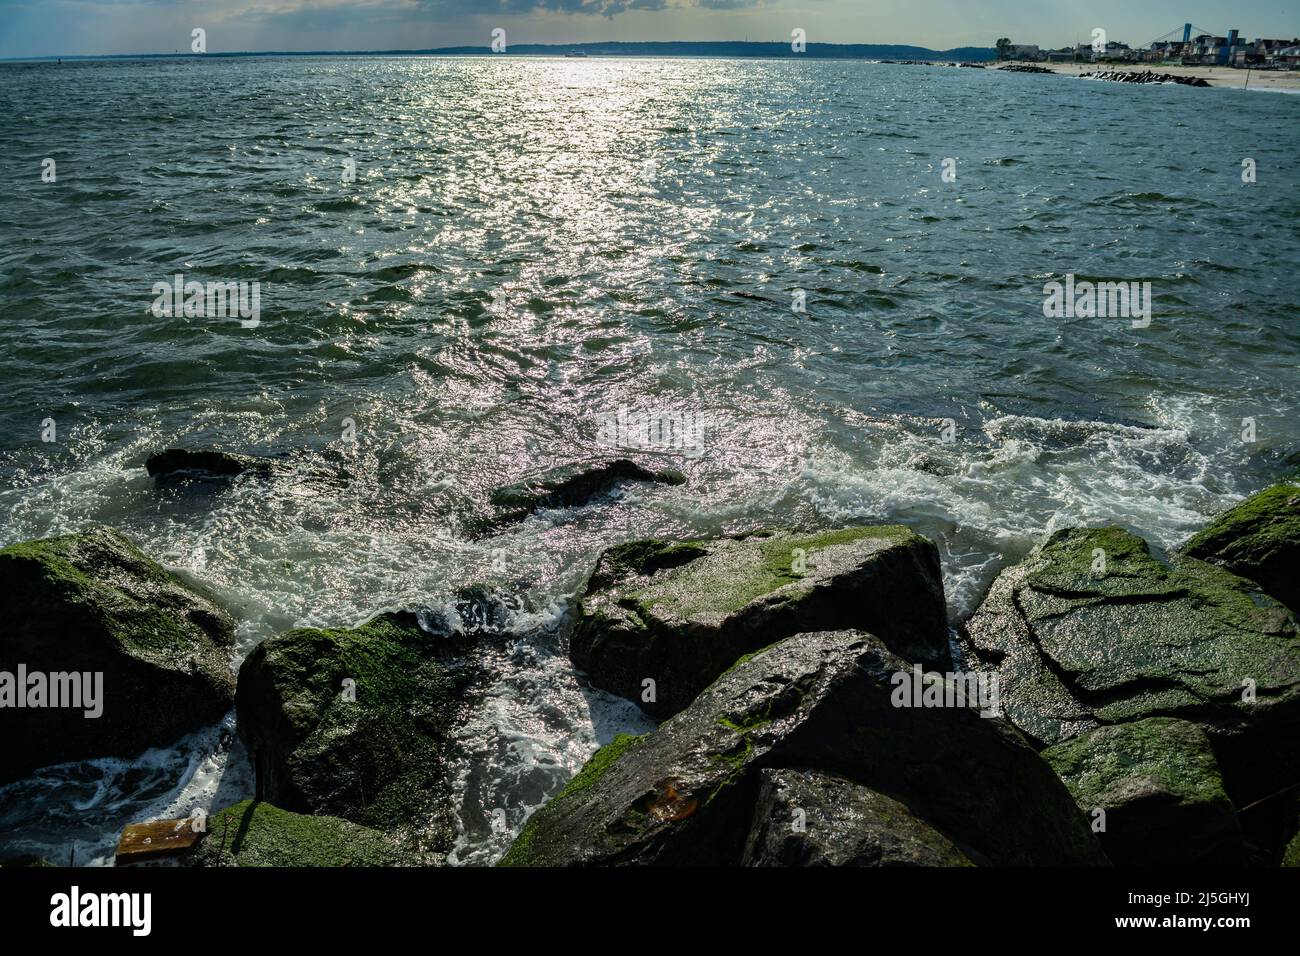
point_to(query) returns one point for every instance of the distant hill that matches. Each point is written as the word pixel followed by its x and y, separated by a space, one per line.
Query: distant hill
pixel 724 48
pixel 738 48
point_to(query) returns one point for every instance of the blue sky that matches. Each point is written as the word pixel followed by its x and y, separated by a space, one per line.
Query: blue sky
pixel 51 27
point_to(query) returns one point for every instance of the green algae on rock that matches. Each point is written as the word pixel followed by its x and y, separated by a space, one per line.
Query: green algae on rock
pixel 358 723
pixel 1291 855
pixel 1159 785
pixel 1092 629
pixel 520 851
pixel 253 833
pixel 93 603
pixel 681 613
pixel 1258 539
pixel 686 793
pixel 806 818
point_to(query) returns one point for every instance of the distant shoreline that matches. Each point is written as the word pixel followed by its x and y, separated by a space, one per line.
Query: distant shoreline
pixel 668 48
pixel 1218 76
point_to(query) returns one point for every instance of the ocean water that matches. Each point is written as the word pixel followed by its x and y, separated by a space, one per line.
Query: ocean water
pixel 531 247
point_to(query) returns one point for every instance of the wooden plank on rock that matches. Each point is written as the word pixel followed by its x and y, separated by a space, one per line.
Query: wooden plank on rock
pixel 147 841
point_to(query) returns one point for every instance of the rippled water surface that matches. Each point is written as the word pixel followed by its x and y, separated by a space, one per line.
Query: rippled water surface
pixel 530 244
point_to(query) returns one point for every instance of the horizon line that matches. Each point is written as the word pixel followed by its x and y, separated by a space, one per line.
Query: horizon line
pixel 486 50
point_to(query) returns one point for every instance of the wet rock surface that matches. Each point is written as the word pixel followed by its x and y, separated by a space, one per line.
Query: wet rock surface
pixel 177 465
pixel 681 613
pixel 1259 539
pixel 1158 784
pixel 253 833
pixel 806 818
pixel 572 486
pixel 686 793
pixel 1093 629
pixel 358 723
pixel 88 604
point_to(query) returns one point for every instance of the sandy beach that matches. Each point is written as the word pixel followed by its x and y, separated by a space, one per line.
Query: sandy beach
pixel 1278 80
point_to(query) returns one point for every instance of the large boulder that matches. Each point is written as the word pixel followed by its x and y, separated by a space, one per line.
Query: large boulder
pixel 1258 539
pixel 806 818
pixel 687 793
pixel 359 723
pixel 1158 785
pixel 253 833
pixel 681 613
pixel 154 651
pixel 1092 629
pixel 573 485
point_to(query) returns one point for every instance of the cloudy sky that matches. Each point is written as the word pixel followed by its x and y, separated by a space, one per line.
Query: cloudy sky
pixel 52 27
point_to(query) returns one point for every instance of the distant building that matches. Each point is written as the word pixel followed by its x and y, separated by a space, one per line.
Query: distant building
pixel 1113 51
pixel 1024 51
pixel 1159 52
pixel 1264 52
pixel 1207 49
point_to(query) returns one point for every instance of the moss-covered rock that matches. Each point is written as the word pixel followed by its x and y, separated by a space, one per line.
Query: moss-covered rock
pixel 253 833
pixel 1092 629
pixel 681 613
pixel 1258 539
pixel 571 486
pixel 806 818
pixel 92 603
pixel 686 793
pixel 520 851
pixel 1159 785
pixel 359 723
pixel 1291 855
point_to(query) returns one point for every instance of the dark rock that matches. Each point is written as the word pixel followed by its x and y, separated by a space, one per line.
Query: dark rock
pixel 1076 648
pixel 258 834
pixel 686 793
pixel 1159 784
pixel 681 613
pixel 179 464
pixel 1259 539
pixel 381 759
pixel 92 603
pixel 1143 76
pixel 572 486
pixel 806 818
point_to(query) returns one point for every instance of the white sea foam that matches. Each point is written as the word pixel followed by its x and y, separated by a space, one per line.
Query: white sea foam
pixel 279 557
